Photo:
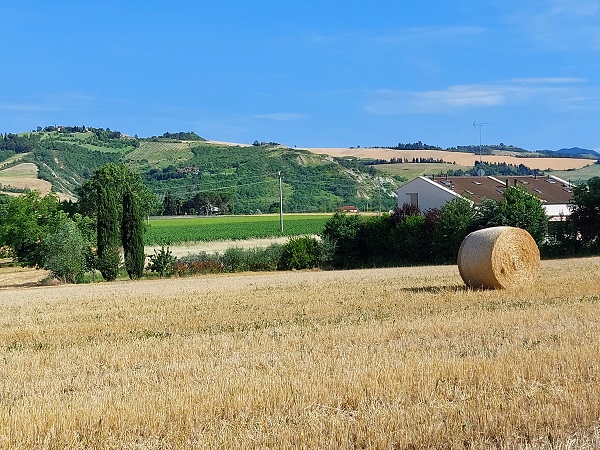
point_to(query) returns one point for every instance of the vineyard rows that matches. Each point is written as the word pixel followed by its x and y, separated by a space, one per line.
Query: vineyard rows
pixel 161 152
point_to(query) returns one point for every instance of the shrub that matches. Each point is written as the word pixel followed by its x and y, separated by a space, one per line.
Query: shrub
pixel 517 208
pixel 265 259
pixel 64 252
pixel 373 240
pixel 408 240
pixel 341 231
pixel 201 263
pixel 300 253
pixel 197 267
pixel 454 224
pixel 236 259
pixel 162 262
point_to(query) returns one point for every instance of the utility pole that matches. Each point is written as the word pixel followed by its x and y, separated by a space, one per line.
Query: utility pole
pixel 280 203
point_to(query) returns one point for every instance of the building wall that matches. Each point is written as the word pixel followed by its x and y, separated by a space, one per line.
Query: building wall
pixel 556 211
pixel 430 194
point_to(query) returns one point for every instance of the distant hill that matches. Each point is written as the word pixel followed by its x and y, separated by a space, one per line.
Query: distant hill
pixel 578 152
pixel 574 152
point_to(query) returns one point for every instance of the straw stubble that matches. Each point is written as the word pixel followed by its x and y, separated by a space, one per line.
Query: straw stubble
pixel 385 358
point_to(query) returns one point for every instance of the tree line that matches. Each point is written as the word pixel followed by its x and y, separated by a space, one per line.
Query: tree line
pixel 409 236
pixel 73 239
pixel 500 168
pixel 415 146
pixel 205 203
pixel 406 161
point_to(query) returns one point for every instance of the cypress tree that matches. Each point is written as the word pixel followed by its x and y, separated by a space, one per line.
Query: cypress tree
pixel 108 232
pixel 132 235
pixel 120 202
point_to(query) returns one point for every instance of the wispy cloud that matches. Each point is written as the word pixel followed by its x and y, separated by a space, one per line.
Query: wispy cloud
pixel 460 97
pixel 25 107
pixel 282 116
pixel 50 102
pixel 413 36
pixel 564 25
pixel 428 34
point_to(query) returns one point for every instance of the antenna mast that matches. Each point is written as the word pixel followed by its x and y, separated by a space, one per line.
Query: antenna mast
pixel 480 125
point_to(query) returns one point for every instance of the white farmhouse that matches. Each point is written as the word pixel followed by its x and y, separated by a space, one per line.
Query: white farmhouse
pixel 426 193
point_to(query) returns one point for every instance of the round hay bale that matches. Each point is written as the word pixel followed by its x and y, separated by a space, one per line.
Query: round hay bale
pixel 498 258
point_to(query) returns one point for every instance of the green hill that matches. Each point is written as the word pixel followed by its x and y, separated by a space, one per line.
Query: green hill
pixel 244 179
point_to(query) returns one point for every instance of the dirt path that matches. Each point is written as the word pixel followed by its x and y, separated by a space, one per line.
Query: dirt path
pixel 216 246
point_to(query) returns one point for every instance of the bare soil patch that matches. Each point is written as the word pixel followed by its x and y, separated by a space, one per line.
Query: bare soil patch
pixel 229 144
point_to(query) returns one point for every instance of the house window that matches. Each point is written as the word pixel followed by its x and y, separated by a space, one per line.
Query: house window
pixel 413 199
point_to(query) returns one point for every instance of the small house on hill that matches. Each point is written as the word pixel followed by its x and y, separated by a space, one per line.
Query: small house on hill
pixel 426 193
pixel 347 209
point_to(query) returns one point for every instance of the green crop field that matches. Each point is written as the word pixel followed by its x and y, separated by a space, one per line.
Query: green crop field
pixel 579 176
pixel 195 229
pixel 410 171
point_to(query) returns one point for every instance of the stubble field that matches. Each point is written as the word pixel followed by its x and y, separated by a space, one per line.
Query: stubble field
pixel 380 358
pixel 24 176
pixel 460 158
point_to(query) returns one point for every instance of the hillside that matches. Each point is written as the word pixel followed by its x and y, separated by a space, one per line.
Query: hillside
pixel 241 179
pixel 579 152
pixel 191 175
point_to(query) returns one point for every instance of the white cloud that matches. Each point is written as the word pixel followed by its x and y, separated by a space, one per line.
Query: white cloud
pixel 460 97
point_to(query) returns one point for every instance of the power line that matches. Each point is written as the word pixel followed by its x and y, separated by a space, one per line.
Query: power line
pixel 191 191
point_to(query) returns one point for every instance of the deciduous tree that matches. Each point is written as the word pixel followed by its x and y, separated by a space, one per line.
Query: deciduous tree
pixel 585 211
pixel 517 208
pixel 24 223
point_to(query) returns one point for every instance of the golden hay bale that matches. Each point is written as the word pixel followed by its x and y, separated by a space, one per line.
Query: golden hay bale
pixel 498 258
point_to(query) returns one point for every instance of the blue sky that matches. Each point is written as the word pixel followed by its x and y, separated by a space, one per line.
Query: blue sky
pixel 312 73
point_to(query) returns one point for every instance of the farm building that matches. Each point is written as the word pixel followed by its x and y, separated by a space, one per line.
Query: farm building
pixel 347 209
pixel 434 192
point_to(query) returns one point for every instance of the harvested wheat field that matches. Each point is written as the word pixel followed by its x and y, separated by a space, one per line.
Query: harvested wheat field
pixel 460 158
pixel 24 176
pixel 381 358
